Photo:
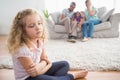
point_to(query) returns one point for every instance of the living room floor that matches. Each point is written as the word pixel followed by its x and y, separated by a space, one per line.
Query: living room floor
pixel 8 74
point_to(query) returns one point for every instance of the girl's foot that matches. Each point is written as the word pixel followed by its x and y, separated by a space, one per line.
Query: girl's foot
pixel 78 74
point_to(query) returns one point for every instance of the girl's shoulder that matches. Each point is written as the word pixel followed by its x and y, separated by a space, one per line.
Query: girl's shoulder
pixel 22 48
pixel 22 51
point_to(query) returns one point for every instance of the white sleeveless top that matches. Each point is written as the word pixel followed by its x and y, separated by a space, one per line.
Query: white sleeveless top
pixel 24 51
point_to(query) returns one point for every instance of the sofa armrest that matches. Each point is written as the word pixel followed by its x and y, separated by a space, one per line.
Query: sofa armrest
pixel 115 18
pixel 50 22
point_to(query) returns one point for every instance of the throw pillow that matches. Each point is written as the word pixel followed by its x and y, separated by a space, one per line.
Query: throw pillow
pixel 107 15
pixel 101 11
pixel 55 16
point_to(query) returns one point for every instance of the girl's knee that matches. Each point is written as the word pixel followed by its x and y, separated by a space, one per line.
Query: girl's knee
pixel 74 22
pixel 65 63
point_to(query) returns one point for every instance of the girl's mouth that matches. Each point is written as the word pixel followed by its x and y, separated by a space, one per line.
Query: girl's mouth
pixel 38 32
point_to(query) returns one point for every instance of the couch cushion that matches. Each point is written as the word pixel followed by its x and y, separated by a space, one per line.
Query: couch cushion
pixel 59 28
pixel 55 16
pixel 99 27
pixel 106 15
pixel 102 26
pixel 101 11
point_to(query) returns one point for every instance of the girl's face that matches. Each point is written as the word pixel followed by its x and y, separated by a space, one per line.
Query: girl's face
pixel 34 26
pixel 78 14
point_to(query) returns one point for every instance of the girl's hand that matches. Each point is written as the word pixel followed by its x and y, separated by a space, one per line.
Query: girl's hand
pixel 49 65
pixel 33 70
pixel 47 61
pixel 79 25
pixel 37 69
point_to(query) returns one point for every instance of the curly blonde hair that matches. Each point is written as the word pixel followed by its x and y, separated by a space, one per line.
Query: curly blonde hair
pixel 17 35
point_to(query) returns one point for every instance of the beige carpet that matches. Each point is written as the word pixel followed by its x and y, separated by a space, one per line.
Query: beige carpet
pixel 94 55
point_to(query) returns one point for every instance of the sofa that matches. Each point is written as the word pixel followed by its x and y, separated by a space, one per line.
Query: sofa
pixel 109 28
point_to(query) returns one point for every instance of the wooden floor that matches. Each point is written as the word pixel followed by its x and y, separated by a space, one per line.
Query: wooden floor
pixel 8 74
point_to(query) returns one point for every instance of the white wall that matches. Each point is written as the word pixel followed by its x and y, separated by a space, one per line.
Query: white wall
pixel 117 6
pixel 59 5
pixel 9 8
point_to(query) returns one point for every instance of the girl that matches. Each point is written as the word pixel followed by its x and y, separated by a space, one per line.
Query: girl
pixel 25 42
pixel 79 18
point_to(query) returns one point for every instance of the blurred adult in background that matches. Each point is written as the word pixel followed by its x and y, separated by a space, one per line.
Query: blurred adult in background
pixel 65 19
pixel 91 20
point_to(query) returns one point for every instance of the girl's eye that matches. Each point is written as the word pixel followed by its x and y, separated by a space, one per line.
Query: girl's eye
pixel 39 23
pixel 31 26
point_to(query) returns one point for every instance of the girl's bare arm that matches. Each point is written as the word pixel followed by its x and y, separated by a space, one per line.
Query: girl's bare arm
pixel 31 68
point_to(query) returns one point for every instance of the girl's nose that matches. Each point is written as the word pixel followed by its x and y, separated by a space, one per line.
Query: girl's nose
pixel 38 27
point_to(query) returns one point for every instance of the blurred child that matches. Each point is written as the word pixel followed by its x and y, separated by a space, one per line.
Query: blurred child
pixel 79 17
pixel 26 44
